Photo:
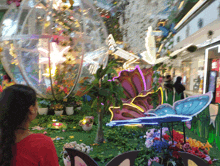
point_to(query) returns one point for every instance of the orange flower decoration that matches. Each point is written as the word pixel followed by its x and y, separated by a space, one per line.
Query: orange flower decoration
pixel 208 146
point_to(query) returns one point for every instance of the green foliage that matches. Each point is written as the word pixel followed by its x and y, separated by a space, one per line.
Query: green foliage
pixel 119 139
pixel 104 91
pixel 43 103
pixel 170 97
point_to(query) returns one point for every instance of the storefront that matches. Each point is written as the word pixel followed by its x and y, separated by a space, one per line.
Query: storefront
pixel 212 72
pixel 191 69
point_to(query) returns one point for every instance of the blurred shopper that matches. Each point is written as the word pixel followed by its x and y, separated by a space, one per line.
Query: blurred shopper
pixel 168 86
pixel 179 88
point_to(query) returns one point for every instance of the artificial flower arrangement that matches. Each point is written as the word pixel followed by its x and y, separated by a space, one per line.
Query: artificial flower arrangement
pixel 81 147
pixel 169 151
pixel 5 84
pixel 43 103
pixel 57 107
pixel 86 121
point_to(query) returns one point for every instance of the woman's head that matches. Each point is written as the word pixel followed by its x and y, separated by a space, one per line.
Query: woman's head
pixel 178 79
pixel 17 106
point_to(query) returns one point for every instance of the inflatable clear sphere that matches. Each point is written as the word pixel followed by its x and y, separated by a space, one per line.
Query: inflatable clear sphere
pixel 52 46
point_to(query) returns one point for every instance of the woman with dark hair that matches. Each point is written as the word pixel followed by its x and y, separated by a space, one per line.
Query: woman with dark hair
pixel 179 88
pixel 18 146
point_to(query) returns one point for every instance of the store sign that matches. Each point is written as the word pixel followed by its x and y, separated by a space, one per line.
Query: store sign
pixel 215 65
pixel 217 98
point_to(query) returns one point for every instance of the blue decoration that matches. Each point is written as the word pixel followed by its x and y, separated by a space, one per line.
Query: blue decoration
pixel 164 30
pixel 87 98
pixel 172 28
pixel 167 31
pixel 183 110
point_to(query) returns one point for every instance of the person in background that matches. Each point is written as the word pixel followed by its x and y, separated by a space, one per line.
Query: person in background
pixel 18 146
pixel 168 86
pixel 168 83
pixel 179 88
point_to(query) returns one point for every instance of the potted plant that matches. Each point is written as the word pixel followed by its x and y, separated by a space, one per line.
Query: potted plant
pixel 69 106
pixel 58 109
pixel 87 123
pixel 43 105
pixel 81 147
pixel 78 102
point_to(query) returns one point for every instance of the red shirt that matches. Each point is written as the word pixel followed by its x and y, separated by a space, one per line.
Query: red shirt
pixel 35 150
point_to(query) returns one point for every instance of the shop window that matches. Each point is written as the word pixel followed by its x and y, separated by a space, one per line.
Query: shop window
pixel 200 23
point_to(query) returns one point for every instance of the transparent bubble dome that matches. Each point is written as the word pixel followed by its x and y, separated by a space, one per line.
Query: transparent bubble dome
pixel 51 46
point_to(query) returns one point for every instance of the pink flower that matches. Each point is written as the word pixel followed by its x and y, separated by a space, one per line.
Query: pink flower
pixel 44 132
pixel 149 143
pixel 48 89
pixel 170 142
pixel 61 88
pixel 17 2
pixel 151 131
pixel 65 90
pixel 63 130
pixel 1 88
pixel 208 158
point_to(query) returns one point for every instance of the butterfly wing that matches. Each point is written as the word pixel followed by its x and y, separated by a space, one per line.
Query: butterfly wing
pixel 163 110
pixel 193 105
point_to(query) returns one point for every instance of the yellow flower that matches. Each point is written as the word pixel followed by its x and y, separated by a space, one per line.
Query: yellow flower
pixel 74 127
pixel 180 132
pixel 71 137
pixel 208 146
pixel 201 145
pixel 80 140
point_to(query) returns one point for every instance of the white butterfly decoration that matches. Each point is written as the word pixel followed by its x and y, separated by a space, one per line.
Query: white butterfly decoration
pixel 150 55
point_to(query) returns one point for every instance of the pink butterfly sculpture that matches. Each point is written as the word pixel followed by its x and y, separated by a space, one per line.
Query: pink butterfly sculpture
pixel 137 85
pixel 135 81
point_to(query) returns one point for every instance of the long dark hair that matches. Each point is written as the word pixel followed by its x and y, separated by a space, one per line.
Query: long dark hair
pixel 178 80
pixel 14 107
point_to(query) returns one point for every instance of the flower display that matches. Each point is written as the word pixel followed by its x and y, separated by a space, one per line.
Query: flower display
pixel 5 84
pixel 57 107
pixel 37 128
pixel 81 147
pixel 170 150
pixel 43 103
pixel 86 121
pixel 57 138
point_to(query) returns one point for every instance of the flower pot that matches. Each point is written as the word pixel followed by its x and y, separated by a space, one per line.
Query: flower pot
pixel 42 111
pixel 87 127
pixel 66 162
pixel 58 113
pixel 69 110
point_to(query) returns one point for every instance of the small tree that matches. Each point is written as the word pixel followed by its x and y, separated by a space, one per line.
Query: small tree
pixel 104 93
